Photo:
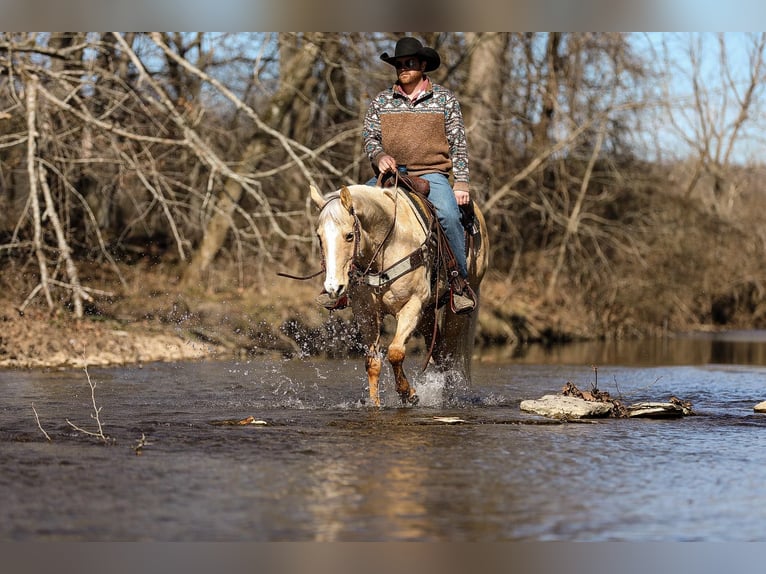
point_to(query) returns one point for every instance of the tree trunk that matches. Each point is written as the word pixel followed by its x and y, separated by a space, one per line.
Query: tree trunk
pixel 553 69
pixel 218 226
pixel 483 99
pixel 284 109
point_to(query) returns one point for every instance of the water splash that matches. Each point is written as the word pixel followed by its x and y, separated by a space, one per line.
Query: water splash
pixel 431 390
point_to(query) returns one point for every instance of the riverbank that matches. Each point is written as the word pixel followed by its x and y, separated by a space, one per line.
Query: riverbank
pixel 150 320
pixel 38 340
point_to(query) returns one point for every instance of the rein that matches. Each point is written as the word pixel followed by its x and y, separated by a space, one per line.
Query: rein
pixel 401 267
pixel 300 277
pixel 415 260
pixel 357 240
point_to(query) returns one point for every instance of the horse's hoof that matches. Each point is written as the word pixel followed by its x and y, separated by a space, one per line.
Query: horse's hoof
pixel 413 400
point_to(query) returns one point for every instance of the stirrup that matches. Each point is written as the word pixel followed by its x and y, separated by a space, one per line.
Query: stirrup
pixel 462 300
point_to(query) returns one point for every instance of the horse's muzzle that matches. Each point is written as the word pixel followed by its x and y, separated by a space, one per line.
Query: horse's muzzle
pixel 335 291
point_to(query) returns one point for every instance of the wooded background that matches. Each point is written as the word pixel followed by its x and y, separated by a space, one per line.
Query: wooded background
pixel 606 191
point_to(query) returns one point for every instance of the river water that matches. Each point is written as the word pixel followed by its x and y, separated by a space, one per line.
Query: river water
pixel 321 466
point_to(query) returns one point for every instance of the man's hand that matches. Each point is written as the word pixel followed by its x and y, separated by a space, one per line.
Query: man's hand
pixel 462 197
pixel 387 163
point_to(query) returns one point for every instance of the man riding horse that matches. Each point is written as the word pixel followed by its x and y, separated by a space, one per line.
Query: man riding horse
pixel 416 126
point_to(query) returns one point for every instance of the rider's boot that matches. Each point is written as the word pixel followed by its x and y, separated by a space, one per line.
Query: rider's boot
pixel 462 297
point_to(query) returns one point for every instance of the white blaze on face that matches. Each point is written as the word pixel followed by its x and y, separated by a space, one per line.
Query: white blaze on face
pixel 335 277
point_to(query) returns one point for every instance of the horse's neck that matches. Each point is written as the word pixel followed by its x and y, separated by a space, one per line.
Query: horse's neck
pixel 385 220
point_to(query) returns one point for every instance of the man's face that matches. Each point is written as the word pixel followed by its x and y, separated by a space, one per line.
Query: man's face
pixel 409 69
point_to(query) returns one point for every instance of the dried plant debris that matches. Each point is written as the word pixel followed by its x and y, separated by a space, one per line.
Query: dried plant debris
pixel 595 395
pixel 239 422
pixel 673 407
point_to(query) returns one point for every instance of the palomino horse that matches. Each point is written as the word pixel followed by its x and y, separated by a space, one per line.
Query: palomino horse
pixel 377 252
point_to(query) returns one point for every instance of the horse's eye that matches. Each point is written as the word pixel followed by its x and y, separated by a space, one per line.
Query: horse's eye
pixel 349 237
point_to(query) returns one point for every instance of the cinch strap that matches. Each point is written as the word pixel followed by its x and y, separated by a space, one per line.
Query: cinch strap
pixel 401 267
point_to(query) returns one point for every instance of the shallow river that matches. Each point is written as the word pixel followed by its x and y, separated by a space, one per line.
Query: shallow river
pixel 324 467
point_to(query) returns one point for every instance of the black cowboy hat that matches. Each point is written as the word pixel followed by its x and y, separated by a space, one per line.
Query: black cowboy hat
pixel 409 46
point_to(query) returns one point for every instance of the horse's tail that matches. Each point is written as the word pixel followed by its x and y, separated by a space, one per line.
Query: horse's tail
pixel 458 334
pixel 459 338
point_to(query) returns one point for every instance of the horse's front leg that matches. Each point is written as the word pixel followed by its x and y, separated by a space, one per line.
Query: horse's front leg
pixel 406 321
pixel 370 332
pixel 372 364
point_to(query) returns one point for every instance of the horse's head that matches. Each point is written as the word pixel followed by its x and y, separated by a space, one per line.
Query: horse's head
pixel 337 229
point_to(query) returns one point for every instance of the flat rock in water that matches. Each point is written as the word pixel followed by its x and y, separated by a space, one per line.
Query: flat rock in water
pixel 760 407
pixel 559 406
pixel 657 410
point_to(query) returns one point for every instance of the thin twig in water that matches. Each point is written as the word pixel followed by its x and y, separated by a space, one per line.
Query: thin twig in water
pixel 616 386
pixel 142 442
pixel 635 392
pixel 37 418
pixel 82 430
pixel 100 434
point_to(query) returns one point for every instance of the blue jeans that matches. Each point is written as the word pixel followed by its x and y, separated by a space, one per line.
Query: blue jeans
pixel 448 213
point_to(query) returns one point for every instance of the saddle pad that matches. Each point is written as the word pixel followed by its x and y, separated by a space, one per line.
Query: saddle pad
pixel 423 208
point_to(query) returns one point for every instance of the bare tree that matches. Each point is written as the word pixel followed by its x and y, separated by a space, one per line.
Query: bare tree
pixel 123 140
pixel 725 99
pixel 196 149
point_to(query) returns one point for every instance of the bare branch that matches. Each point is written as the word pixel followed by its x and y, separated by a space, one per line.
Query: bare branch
pixel 32 87
pixel 287 143
pixel 534 165
pixel 64 250
pixel 574 216
pixel 95 415
pixel 86 117
pixel 37 418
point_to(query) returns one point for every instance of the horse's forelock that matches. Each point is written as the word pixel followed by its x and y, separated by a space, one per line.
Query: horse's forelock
pixel 333 211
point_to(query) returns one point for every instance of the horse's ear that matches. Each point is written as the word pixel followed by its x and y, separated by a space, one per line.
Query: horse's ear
pixel 345 199
pixel 316 197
